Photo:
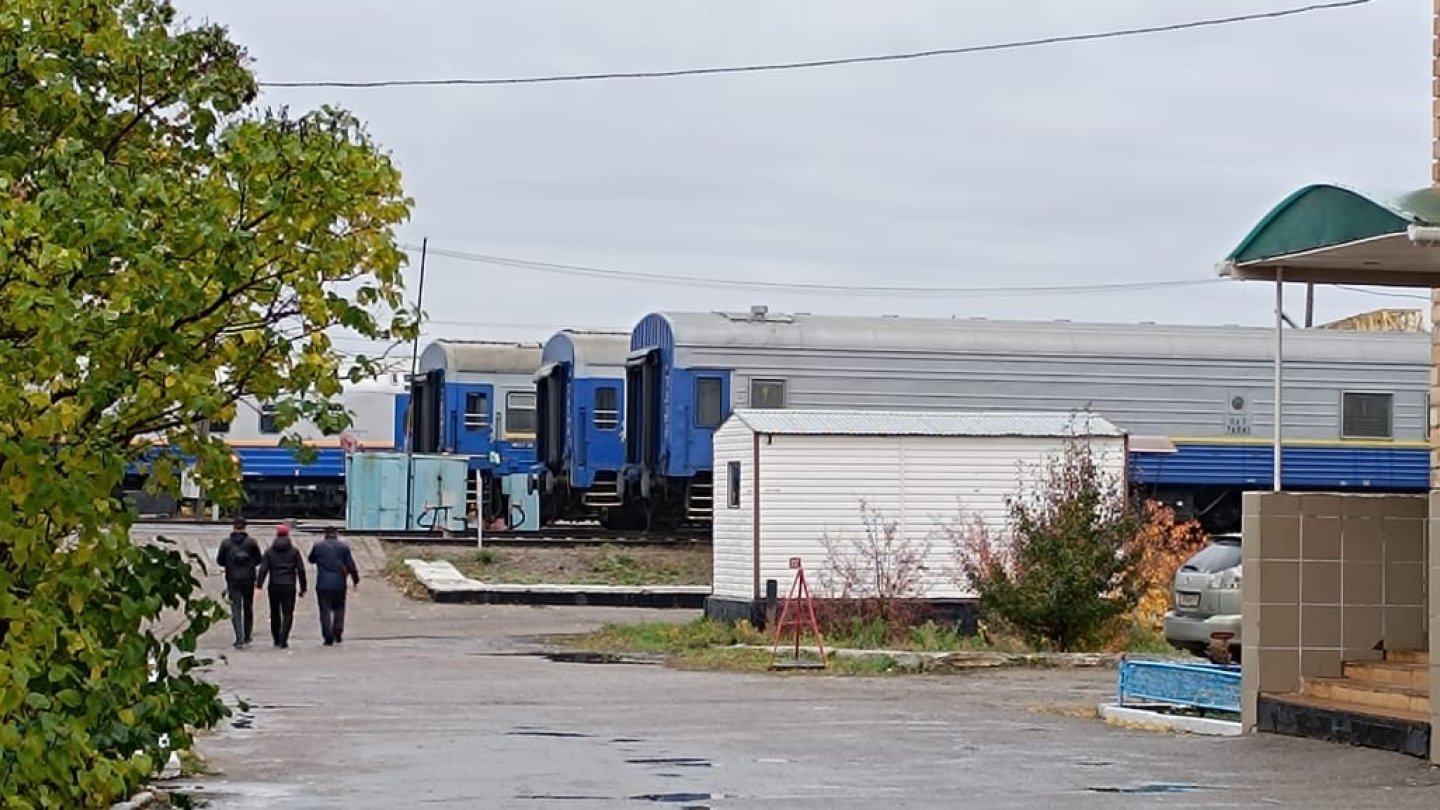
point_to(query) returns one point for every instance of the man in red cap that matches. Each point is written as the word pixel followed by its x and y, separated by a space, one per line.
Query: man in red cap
pixel 285 567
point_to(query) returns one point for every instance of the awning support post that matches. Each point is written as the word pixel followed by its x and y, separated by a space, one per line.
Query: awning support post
pixel 1279 350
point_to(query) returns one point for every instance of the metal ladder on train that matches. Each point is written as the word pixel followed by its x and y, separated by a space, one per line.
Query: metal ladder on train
pixel 700 500
pixel 604 493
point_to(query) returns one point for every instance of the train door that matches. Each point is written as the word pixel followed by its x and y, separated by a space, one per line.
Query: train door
pixel 642 409
pixel 426 411
pixel 550 399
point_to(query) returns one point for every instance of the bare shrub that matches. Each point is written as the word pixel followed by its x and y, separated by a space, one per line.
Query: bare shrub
pixel 873 583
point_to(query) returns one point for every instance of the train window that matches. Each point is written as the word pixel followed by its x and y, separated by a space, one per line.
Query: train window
pixel 1366 416
pixel 767 393
pixel 217 426
pixel 477 411
pixel 607 408
pixel 268 423
pixel 519 413
pixel 708 406
pixel 732 484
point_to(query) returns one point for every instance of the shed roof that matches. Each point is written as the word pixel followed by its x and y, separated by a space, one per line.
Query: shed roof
pixel 481 357
pixel 1324 233
pixel 925 423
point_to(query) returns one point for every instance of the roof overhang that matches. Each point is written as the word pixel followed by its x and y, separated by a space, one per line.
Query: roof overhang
pixel 1325 234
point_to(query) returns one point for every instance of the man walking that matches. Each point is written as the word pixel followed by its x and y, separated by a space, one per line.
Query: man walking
pixel 285 568
pixel 333 562
pixel 240 556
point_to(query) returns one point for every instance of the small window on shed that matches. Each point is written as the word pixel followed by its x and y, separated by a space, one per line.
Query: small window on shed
pixel 1366 416
pixel 519 413
pixel 607 408
pixel 268 417
pixel 732 484
pixel 477 411
pixel 708 406
pixel 767 393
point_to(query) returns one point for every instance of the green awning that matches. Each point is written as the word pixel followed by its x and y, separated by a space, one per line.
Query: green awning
pixel 1331 235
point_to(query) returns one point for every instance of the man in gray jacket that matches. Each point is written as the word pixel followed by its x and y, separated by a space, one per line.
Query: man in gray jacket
pixel 333 563
pixel 240 557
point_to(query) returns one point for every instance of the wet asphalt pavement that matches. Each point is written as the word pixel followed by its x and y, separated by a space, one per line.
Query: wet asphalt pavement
pixel 451 706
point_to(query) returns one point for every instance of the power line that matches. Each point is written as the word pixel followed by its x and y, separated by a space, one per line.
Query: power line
pixel 1379 294
pixel 813 289
pixel 820 63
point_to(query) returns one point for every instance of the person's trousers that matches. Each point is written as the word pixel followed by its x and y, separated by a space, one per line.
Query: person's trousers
pixel 242 610
pixel 282 612
pixel 332 615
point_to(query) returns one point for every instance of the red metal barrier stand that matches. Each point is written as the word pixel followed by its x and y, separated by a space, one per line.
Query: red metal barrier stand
pixel 798 613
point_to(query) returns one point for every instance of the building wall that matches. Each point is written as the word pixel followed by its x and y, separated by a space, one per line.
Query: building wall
pixel 811 488
pixel 1328 578
pixel 732 531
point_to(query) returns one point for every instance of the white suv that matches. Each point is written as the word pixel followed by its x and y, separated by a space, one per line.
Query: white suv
pixel 1206 616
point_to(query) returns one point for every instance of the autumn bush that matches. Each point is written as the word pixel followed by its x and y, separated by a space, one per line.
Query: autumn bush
pixel 1162 544
pixel 1067 569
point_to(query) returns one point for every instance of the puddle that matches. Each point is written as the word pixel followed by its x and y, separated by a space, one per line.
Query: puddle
pixel 588 657
pixel 679 762
pixel 686 799
pixel 1153 787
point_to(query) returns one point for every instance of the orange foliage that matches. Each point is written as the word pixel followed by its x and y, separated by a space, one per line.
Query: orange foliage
pixel 1164 544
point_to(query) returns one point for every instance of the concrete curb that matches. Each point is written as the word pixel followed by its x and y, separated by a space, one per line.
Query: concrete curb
pixel 1141 718
pixel 444 583
pixel 961 661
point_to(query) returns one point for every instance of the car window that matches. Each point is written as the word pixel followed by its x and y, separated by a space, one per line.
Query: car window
pixel 1214 557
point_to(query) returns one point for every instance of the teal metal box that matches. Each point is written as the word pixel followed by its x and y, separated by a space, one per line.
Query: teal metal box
pixel 378 487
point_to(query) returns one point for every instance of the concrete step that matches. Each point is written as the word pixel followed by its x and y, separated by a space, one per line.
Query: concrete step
pixel 1421 657
pixel 1369 696
pixel 1342 707
pixel 1389 673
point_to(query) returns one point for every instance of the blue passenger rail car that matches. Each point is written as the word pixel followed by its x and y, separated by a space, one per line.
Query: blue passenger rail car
pixel 579 391
pixel 275 481
pixel 477 399
pixel 1355 402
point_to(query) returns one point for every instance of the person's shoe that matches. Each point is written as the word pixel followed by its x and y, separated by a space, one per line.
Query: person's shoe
pixel 329 643
pixel 239 644
pixel 284 645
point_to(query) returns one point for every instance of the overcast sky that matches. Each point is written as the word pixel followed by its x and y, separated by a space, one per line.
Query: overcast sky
pixel 1103 162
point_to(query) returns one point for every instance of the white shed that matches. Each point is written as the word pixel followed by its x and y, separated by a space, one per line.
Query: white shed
pixel 921 470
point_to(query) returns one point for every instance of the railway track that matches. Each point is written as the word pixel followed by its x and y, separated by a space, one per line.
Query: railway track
pixel 565 535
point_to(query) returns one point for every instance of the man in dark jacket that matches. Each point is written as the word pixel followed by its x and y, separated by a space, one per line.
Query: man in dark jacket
pixel 285 567
pixel 240 556
pixel 333 562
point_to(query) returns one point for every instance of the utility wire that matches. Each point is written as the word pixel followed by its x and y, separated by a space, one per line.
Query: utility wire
pixel 1411 296
pixel 814 289
pixel 820 63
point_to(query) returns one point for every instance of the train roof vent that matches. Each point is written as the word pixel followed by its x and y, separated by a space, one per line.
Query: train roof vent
pixel 759 311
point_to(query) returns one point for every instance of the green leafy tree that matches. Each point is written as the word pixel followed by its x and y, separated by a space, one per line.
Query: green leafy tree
pixel 165 250
pixel 1067 569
